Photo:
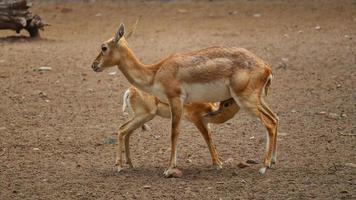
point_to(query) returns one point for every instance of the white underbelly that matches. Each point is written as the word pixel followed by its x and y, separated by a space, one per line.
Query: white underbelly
pixel 206 92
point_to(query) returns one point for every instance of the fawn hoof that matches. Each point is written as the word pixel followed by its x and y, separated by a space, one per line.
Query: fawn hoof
pixel 218 164
pixel 263 170
pixel 119 169
pixel 173 173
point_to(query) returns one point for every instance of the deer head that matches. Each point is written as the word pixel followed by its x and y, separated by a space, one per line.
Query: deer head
pixel 109 55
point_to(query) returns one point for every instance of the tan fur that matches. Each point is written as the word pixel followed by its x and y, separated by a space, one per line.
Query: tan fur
pixel 209 75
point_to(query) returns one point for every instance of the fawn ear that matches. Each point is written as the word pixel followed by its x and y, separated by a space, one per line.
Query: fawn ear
pixel 120 33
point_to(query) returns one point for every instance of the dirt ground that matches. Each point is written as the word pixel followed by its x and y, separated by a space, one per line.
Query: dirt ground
pixel 57 127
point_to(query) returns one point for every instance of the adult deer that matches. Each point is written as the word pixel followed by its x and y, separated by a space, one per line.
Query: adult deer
pixel 143 107
pixel 209 75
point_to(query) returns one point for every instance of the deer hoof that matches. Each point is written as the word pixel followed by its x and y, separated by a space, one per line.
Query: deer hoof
pixel 263 170
pixel 119 169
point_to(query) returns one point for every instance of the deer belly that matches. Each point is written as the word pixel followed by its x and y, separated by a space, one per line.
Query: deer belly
pixel 206 92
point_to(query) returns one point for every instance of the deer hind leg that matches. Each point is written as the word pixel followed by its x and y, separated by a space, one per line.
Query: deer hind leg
pixel 257 107
pixel 276 120
pixel 124 133
pixel 176 106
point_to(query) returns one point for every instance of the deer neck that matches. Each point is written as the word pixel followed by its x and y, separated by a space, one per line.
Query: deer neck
pixel 136 73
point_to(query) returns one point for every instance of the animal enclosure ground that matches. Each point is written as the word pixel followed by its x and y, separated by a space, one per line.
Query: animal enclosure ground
pixel 57 127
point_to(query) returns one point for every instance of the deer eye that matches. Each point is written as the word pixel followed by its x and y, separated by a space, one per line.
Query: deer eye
pixel 104 48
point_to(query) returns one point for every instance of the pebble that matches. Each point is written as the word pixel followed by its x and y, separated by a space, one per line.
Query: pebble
pixel 257 15
pixel 322 113
pixel 343 115
pixel 36 149
pixel 242 165
pixel 333 116
pixel 243 181
pixel 175 173
pixel 147 187
pixel 293 111
pixel 182 10
pixel 350 165
pixel 282 134
pixel 253 137
pixel 251 162
pixel 317 28
pixel 285 59
pixel 112 73
pixel 42 69
pixel 233 12
pixel 219 182
pixel 189 161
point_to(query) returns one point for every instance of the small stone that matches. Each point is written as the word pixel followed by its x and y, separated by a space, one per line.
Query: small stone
pixel 189 161
pixel 242 165
pixel 112 73
pixel 350 165
pixel 322 113
pixel 36 149
pixel 219 183
pixel 42 69
pixel 282 134
pixel 243 181
pixel 253 137
pixel 343 115
pixel 182 10
pixel 338 86
pixel 174 173
pixel 333 116
pixel 257 15
pixel 293 111
pixel 233 12
pixel 147 187
pixel 299 32
pixel 47 100
pixel 285 59
pixel 253 162
pixel 110 141
pixel 317 28
pixel 339 128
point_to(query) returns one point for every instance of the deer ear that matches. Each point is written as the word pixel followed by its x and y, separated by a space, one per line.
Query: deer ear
pixel 120 33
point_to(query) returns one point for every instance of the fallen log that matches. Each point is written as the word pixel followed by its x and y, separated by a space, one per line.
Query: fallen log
pixel 14 15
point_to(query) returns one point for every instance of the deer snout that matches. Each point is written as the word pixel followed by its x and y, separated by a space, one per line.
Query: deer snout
pixel 95 66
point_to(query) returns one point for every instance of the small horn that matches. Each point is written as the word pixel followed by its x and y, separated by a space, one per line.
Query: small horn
pixel 133 29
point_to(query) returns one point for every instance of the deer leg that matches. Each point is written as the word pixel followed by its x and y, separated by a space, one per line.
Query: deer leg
pixel 127 150
pixel 257 107
pixel 271 124
pixel 276 119
pixel 125 130
pixel 205 131
pixel 176 107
